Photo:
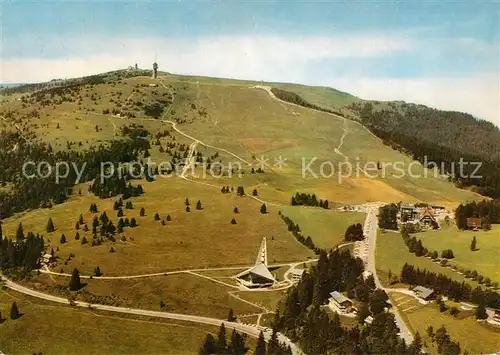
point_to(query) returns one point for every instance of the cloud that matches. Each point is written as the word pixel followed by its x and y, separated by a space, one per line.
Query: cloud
pixel 34 59
pixel 306 59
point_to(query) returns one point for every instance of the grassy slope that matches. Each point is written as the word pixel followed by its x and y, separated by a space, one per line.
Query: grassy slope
pixel 473 336
pixel 326 227
pixel 53 329
pixel 191 240
pixel 391 254
pixel 486 259
pixel 273 129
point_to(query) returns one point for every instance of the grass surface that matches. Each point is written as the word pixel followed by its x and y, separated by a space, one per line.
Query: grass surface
pixel 391 254
pixel 53 329
pixel 198 239
pixel 485 260
pixel 474 337
pixel 326 227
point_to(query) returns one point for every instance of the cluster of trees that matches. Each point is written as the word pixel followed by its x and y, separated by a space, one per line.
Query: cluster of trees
pixel 154 109
pixel 354 232
pixel 458 291
pixel 221 346
pixel 294 98
pixel 387 217
pixel 24 253
pixel 414 245
pixel 442 137
pixel 302 319
pixel 31 190
pixel 304 199
pixel 487 211
pixel 295 230
pixel 115 185
pixel 443 341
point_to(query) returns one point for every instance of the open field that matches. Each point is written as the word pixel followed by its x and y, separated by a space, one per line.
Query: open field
pixel 475 337
pixel 180 293
pixel 326 227
pixel 198 239
pixel 485 260
pixel 48 328
pixel 391 254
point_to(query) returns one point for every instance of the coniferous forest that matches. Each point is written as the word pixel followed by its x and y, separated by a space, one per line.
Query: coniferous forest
pixel 31 191
pixel 487 211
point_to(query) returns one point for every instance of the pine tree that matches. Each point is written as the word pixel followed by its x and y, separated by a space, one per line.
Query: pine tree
pixel 77 236
pixel 157 216
pixel 363 313
pixel 169 218
pixel 230 316
pixel 198 205
pixel 63 239
pixel 221 340
pixel 85 228
pixel 143 212
pixel 120 212
pixel 260 349
pixel 473 244
pixel 97 271
pixel 233 221
pixel 481 311
pixel 80 219
pixel 77 226
pixel 84 240
pixel 19 233
pixel 237 345
pixel 209 346
pixel 255 193
pixel 188 209
pixel 14 311
pixel 133 222
pixel 111 250
pixel 50 226
pixel 163 223
pixel 235 210
pixel 74 282
pixel 263 209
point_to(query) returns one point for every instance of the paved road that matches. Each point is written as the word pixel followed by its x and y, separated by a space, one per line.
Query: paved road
pixel 371 226
pixel 243 328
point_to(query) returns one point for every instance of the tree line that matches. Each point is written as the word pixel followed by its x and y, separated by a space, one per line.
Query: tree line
pixel 487 211
pixel 303 320
pixel 458 291
pixel 296 232
pixel 305 199
pixel 24 253
pixel 442 137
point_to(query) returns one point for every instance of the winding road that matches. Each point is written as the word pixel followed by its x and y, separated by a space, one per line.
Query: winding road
pixel 253 331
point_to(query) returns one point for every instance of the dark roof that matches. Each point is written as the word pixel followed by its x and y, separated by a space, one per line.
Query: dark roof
pixel 340 298
pixel 423 292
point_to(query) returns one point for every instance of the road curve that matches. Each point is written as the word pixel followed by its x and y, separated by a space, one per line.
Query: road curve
pixel 251 330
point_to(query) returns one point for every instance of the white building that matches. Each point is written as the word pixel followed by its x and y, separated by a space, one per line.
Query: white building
pixel 297 274
pixel 258 275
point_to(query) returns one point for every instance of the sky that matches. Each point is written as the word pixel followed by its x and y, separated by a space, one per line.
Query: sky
pixel 439 53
